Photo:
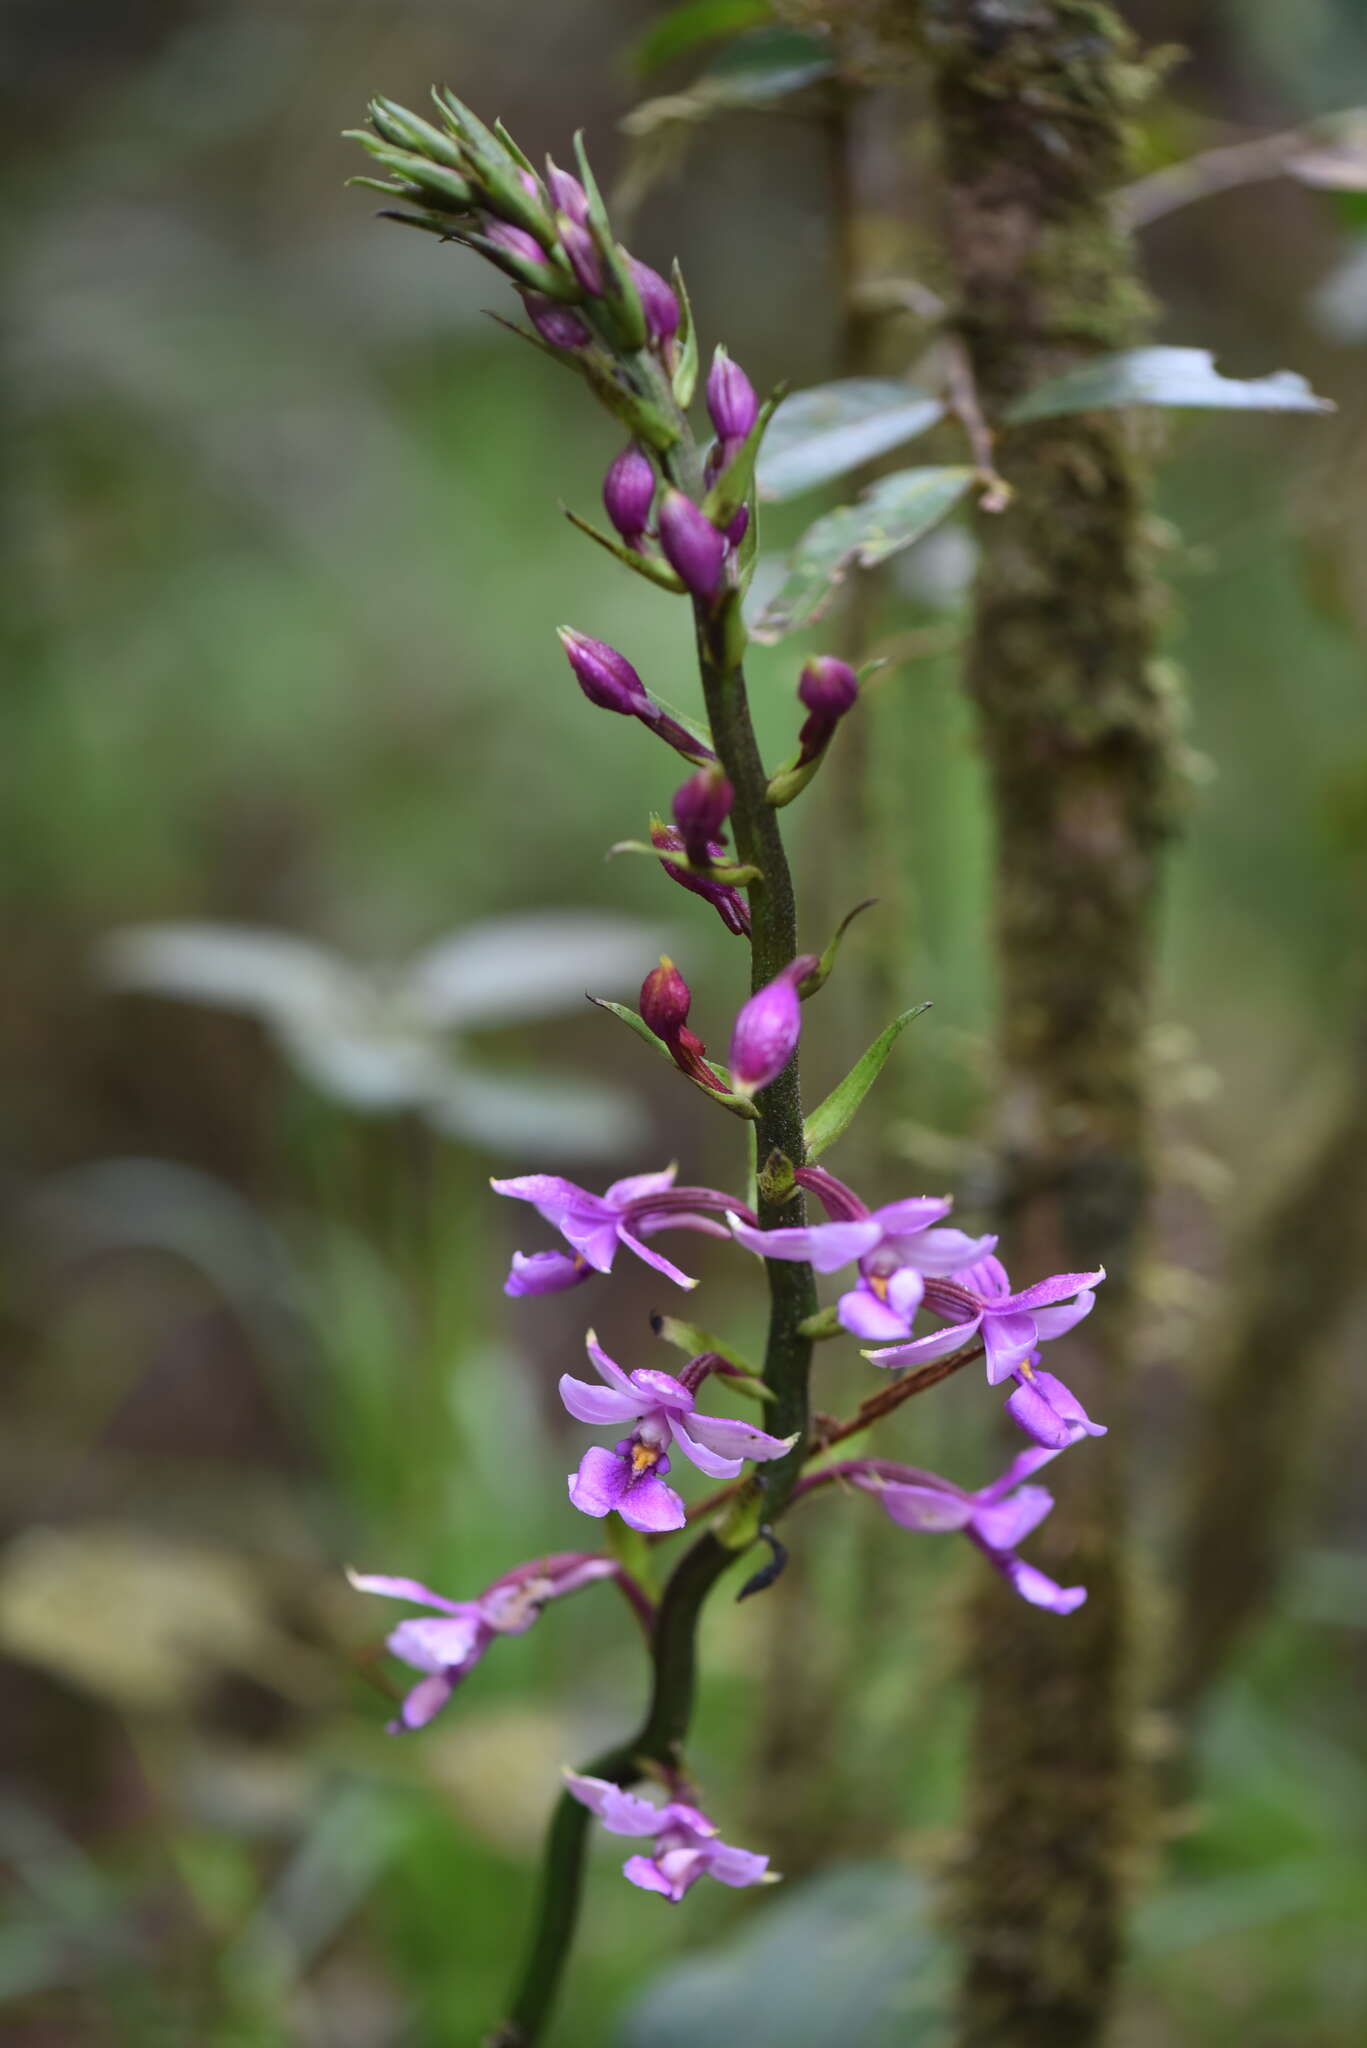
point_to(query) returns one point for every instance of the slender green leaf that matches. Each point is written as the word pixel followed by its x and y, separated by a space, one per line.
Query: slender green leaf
pixel 756 70
pixel 1179 377
pixel 685 381
pixel 833 428
pixel 832 1118
pixel 896 511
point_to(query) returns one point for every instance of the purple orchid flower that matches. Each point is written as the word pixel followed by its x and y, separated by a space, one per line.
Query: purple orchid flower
pixel 448 1647
pixel 630 1477
pixel 1013 1325
pixel 687 1844
pixel 767 1028
pixel 896 1247
pixel 996 1518
pixel 594 1225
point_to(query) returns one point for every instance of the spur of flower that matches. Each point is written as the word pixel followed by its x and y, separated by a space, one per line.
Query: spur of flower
pixel 595 1225
pixel 997 1518
pixel 662 1412
pixel 897 1248
pixel 447 1644
pixel 687 1844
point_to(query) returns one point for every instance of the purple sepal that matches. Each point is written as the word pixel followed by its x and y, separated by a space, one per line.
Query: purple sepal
pixel 515 240
pixel 567 193
pixel 1048 1411
pixel 545 1273
pixel 579 245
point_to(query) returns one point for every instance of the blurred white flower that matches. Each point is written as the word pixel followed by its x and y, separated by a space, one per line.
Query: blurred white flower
pixel 384 1039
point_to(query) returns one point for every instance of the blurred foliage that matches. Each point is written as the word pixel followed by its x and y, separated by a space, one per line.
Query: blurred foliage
pixel 284 564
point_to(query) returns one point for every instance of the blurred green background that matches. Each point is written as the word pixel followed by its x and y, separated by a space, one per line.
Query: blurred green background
pixel 284 560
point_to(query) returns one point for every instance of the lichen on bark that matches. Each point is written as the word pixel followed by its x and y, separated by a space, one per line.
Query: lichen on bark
pixel 1032 103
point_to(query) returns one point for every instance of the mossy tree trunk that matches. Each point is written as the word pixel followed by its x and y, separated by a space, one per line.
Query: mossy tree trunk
pixel 1031 101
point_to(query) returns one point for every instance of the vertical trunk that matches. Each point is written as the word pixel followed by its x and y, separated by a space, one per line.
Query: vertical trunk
pixel 1031 102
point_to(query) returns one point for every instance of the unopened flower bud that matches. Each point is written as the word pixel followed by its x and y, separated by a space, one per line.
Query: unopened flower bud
pixel 516 241
pixel 559 325
pixel 658 302
pixel 692 545
pixel 829 688
pixel 702 806
pixel 579 245
pixel 606 677
pixel 567 193
pixel 767 1029
pixel 629 493
pixel 731 401
pixel 729 904
pixel 665 1000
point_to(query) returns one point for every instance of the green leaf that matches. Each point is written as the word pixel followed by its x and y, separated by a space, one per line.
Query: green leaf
pixel 687 27
pixel 821 973
pixel 832 1118
pixel 756 70
pixel 738 1105
pixel 896 511
pixel 654 571
pixel 686 345
pixel 833 428
pixel 1163 376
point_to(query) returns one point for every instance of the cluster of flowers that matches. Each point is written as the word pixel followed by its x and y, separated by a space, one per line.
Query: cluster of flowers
pixel 906 1262
pixel 597 308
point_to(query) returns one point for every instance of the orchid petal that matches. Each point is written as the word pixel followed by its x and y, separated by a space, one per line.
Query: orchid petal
pixel 656 1260
pixel 825 1246
pixel 660 1389
pixel 622 1813
pixel 446 1643
pixel 1030 1411
pixel 597 1487
pixel 864 1315
pixel 645 1873
pixel 1007 1339
pixel 734 1866
pixel 924 1508
pixel 729 1436
pixel 592 1237
pixel 1053 1322
pixel 404 1589
pixel 637 1186
pixel 1006 1523
pixel 711 1462
pixel 937 1345
pixel 587 1403
pixel 917 1213
pixel 1023 1466
pixel 545 1273
pixel 1040 1590
pixel 1065 1402
pixel 905 1291
pixel 607 1368
pixel 939 1253
pixel 651 1506
pixel 1057 1287
pixel 426 1699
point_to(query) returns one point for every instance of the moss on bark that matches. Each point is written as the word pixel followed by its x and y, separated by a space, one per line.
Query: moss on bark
pixel 1033 101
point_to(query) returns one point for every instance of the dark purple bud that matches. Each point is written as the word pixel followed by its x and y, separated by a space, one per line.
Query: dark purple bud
pixel 658 302
pixel 579 245
pixel 736 528
pixel 629 493
pixel 692 545
pixel 606 677
pixel 515 240
pixel 567 193
pixel 702 806
pixel 767 1029
pixel 829 688
pixel 729 904
pixel 665 1000
pixel 559 325
pixel 731 401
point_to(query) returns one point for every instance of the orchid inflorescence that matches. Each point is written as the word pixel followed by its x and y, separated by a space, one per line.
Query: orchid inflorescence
pixel 686 518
